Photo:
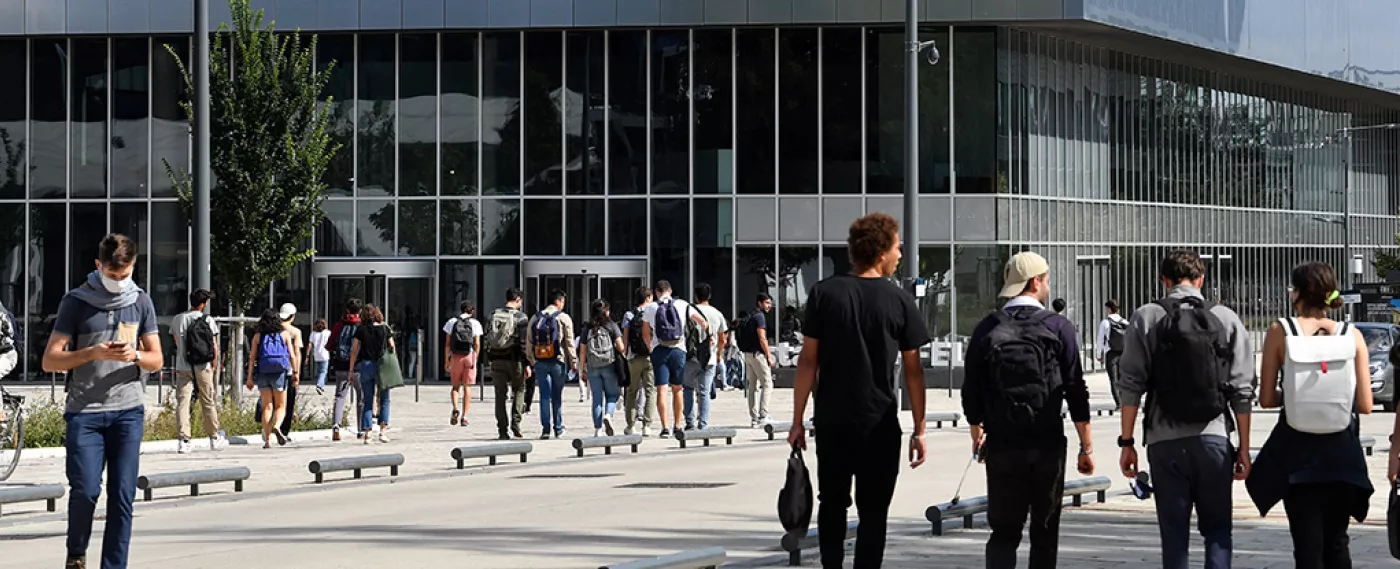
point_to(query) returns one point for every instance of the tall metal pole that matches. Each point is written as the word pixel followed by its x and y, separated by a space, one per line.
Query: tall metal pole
pixel 912 48
pixel 201 145
pixel 1346 214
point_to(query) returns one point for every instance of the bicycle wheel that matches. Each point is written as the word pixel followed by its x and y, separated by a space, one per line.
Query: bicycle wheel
pixel 11 440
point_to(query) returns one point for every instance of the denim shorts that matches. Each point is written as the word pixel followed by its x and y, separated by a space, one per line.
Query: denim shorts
pixel 271 381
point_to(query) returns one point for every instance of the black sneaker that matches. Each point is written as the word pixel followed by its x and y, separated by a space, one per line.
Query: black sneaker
pixel 516 431
pixel 665 433
pixel 690 426
pixel 544 436
pixel 504 436
pixel 75 563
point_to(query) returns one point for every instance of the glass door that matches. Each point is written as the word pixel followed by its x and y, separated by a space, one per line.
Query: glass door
pixel 407 313
pixel 620 292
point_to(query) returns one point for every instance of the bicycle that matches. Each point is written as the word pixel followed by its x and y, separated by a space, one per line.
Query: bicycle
pixel 11 431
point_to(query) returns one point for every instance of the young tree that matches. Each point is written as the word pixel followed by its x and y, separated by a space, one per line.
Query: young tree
pixel 269 149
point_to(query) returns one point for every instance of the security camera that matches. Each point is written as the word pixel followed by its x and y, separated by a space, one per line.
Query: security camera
pixel 931 53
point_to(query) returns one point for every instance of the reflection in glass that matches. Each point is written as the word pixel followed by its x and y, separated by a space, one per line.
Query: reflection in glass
pixel 586 113
pixel 545 218
pixel 170 130
pixel 544 126
pixel 587 227
pixel 12 248
pixel 47 276
pixel 714 253
pixel 13 142
pixel 714 112
pixel 89 119
pixel 628 238
pixel 975 74
pixel 627 112
pixel 798 273
pixel 337 52
pixel 670 112
pixel 799 112
pixel 335 237
pixel 937 303
pixel 836 260
pixel 418 227
pixel 375 127
pixel 129 219
pixel 841 95
pixel 48 96
pixel 977 269
pixel 130 117
pixel 87 225
pixel 461 113
pixel 756 153
pixel 500 113
pixel 670 242
pixel 459 227
pixel 418 119
pixel 500 227
pixel 169 257
pixel 755 274
pixel 884 62
pixel 374 230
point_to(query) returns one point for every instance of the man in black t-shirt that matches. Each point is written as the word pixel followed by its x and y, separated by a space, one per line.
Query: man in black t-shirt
pixel 855 328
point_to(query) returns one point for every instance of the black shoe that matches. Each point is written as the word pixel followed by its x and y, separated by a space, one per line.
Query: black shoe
pixel 544 436
pixel 665 433
pixel 281 439
pixel 504 436
pixel 516 431
pixel 689 426
pixel 78 562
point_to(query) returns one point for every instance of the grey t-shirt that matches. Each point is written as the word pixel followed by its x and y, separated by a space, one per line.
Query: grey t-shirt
pixel 104 386
pixel 178 326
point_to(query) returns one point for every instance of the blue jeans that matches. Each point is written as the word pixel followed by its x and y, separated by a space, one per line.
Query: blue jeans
pixel 1193 471
pixel 550 375
pixel 604 384
pixel 699 379
pixel 369 382
pixel 113 439
pixel 668 364
pixel 721 374
pixel 321 368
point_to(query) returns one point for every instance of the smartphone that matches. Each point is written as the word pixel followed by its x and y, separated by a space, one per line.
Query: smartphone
pixel 118 345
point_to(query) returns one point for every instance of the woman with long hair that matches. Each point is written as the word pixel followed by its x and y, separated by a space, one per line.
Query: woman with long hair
pixel 1318 473
pixel 270 363
pixel 598 355
pixel 372 341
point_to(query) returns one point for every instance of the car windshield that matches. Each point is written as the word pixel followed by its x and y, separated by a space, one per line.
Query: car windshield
pixel 1376 337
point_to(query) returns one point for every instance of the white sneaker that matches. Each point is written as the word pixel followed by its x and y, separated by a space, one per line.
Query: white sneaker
pixel 218 442
pixel 754 424
pixel 646 431
pixel 629 430
pixel 184 447
pixel 383 437
pixel 597 432
pixel 608 425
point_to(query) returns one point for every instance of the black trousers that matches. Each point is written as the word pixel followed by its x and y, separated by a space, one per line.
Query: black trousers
pixel 1194 473
pixel 1023 481
pixel 873 461
pixel 286 426
pixel 1318 519
pixel 1110 364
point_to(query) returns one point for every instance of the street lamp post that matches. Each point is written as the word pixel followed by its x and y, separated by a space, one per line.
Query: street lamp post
pixel 913 47
pixel 200 249
pixel 1347 163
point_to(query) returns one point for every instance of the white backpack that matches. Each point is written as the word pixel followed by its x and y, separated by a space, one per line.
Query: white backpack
pixel 1319 379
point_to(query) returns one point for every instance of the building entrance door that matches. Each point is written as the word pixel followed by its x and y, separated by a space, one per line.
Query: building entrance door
pixel 403 291
pixel 582 282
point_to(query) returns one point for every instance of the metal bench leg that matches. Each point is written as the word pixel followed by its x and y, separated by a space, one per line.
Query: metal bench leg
pixel 707 442
pixel 357 474
pixel 938 424
pixel 728 440
pixel 634 449
pixel 682 443
pixel 492 461
pixel 461 463
pixel 394 470
pixel 607 450
pixel 1077 500
pixel 967 521
pixel 580 453
pixel 146 495
pixel 770 436
pixel 955 422
pixel 319 478
pixel 1370 450
pixel 53 504
pixel 1102 495
pixel 937 528
pixel 795 558
pixel 524 457
pixel 194 489
pixel 237 485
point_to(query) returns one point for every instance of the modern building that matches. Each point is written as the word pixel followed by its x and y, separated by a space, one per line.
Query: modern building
pixel 597 145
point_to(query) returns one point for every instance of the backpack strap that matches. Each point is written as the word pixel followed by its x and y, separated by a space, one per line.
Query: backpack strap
pixel 1289 325
pixel 1342 329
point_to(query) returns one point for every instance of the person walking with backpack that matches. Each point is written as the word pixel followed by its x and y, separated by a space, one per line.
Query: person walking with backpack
pixel 663 328
pixel 1022 364
pixel 1318 371
pixel 1194 363
pixel 856 327
pixel 506 342
pixel 372 341
pixel 110 325
pixel 550 346
pixel 462 344
pixel 702 357
pixel 270 368
pixel 598 362
pixel 1108 345
pixel 342 341
pixel 196 353
pixel 318 354
pixel 758 360
pixel 639 398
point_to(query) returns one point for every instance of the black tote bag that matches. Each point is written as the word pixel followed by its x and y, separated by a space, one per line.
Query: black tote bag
pixel 795 499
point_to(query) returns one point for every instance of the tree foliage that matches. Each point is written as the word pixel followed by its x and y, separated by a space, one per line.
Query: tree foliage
pixel 269 150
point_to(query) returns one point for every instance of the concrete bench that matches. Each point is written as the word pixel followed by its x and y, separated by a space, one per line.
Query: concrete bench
pixel 939 418
pixel 1098 409
pixel 148 483
pixel 491 451
pixel 774 428
pixel 606 443
pixel 356 464
pixel 794 543
pixel 705 435
pixel 707 558
pixel 49 493
pixel 968 507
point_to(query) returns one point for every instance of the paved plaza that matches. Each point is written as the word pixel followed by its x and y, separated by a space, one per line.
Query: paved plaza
pixel 558 511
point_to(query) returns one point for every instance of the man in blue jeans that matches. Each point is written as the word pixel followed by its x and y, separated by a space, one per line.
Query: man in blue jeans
pixel 700 375
pixel 663 328
pixel 106 336
pixel 552 355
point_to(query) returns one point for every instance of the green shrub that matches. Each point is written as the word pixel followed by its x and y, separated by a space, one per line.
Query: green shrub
pixel 44 425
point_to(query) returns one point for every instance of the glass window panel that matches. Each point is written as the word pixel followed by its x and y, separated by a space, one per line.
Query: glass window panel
pixel 587 227
pixel 670 242
pixel 756 96
pixel 836 260
pixel 885 115
pixel 374 150
pixel 48 135
pixel 754 275
pixel 13 141
pixel 500 114
pixel 130 117
pixel 586 113
pixel 461 113
pixel 799 112
pixel 545 218
pixel 627 112
pixel 337 52
pixel 936 304
pixel 170 129
pixel 500 227
pixel 418 115
pixel 87 226
pixel 418 227
pixel 935 170
pixel 89 118
pixel 799 273
pixel 169 257
pixel 544 126
pixel 714 249
pixel 460 225
pixel 129 219
pixel 13 272
pixel 670 112
pixel 627 234
pixel 48 275
pixel 977 269
pixel 335 237
pixel 841 103
pixel 714 113
pixel 374 230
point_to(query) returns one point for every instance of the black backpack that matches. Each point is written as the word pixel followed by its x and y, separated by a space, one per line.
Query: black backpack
pixel 199 342
pixel 463 337
pixel 1191 365
pixel 1117 329
pixel 1025 368
pixel 747 329
pixel 635 342
pixel 697 339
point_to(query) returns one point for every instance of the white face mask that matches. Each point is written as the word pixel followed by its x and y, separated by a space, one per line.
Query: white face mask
pixel 114 286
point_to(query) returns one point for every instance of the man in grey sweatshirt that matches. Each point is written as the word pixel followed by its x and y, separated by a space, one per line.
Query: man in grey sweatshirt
pixel 1192 463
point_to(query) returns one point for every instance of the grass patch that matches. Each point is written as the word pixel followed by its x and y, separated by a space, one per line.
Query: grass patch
pixel 44 425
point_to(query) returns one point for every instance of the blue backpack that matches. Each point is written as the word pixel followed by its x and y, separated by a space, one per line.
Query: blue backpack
pixel 669 327
pixel 273 356
pixel 545 336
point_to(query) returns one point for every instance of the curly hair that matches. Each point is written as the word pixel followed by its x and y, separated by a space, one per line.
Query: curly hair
pixel 269 323
pixel 870 237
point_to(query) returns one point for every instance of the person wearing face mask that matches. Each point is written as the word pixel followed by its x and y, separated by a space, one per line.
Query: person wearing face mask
pixel 106 336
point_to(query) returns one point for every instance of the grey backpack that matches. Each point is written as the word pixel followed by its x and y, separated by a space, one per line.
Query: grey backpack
pixel 602 350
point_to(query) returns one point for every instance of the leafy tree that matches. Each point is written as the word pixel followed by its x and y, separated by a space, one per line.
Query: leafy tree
pixel 1387 261
pixel 269 150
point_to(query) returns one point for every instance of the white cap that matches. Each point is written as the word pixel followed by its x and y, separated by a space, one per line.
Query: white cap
pixel 1020 270
pixel 288 311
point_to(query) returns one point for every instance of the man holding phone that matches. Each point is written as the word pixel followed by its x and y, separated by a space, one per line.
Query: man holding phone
pixel 106 336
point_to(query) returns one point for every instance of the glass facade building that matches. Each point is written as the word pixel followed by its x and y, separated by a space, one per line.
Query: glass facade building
pixel 594 146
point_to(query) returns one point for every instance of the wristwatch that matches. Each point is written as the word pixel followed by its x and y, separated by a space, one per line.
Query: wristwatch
pixel 1126 443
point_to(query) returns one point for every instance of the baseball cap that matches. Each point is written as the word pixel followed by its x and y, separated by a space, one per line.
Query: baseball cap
pixel 288 311
pixel 1022 267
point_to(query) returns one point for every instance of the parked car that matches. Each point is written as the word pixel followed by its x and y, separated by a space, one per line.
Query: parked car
pixel 1380 338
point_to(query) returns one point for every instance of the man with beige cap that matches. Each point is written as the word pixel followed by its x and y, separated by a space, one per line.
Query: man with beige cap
pixel 1022 365
pixel 288 313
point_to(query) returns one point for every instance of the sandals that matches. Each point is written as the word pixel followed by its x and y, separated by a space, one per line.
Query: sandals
pixel 455 415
